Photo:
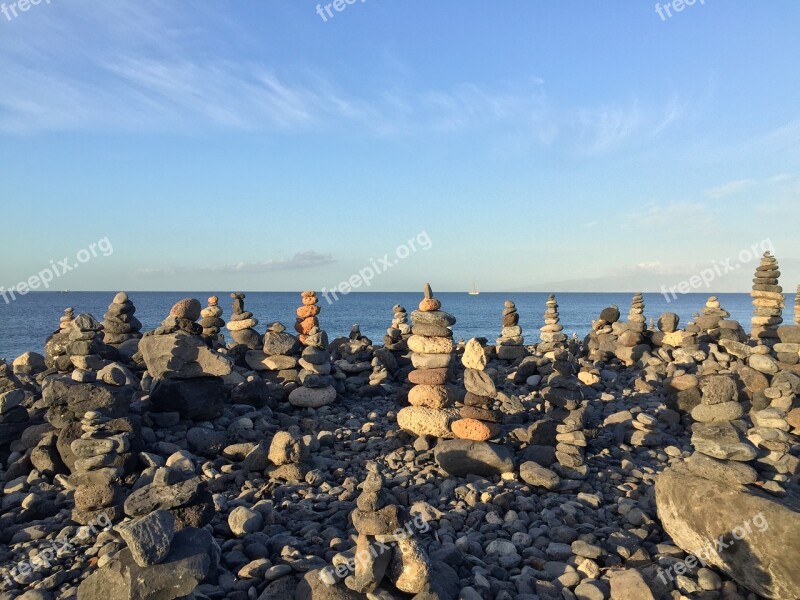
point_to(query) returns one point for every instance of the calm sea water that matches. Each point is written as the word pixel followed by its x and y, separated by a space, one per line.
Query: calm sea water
pixel 27 321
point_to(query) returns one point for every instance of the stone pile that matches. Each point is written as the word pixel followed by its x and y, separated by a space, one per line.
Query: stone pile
pixel 386 546
pixel 768 301
pixel 66 319
pixel 13 416
pixel 432 346
pixel 601 343
pixel 288 454
pixel 307 314
pixel 85 346
pixel 510 343
pixel 477 422
pixel 242 325
pixel 718 436
pixel 353 356
pixel 277 360
pixel 771 432
pixel 636 318
pixel 552 332
pixel 119 324
pixel 101 453
pixel 211 319
pixel 56 347
pixel 396 338
pixel 317 385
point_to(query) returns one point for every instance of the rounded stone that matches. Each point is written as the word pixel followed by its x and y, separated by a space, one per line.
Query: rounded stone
pixel 428 376
pixel 427 421
pixel 429 304
pixel 120 298
pixel 429 396
pixel 312 397
pixel 188 308
pixel 475 430
pixel 431 361
pixel 430 345
pixel 474 355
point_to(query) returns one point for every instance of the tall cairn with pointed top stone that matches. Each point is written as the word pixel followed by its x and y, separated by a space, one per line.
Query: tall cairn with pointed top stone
pixel 307 314
pixel 768 300
pixel 119 324
pixel 242 324
pixel 317 387
pixel 211 318
pixel 510 343
pixel 432 347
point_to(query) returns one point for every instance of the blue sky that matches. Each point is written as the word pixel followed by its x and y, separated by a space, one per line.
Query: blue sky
pixel 571 146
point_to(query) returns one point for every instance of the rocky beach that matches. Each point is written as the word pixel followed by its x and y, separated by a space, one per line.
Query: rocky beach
pixel 206 459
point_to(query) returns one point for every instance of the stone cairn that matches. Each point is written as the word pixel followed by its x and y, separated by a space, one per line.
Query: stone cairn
pixel 510 343
pixel 396 338
pixel 552 332
pixel 280 353
pixel 353 356
pixel 601 343
pixel 636 318
pixel 385 547
pixel 86 344
pixel 101 453
pixel 307 314
pixel 768 300
pixel 478 422
pixel 771 434
pixel 119 324
pixel 211 319
pixel 13 416
pixel 721 449
pixel 432 349
pixel 242 324
pixel 66 319
pixel 317 387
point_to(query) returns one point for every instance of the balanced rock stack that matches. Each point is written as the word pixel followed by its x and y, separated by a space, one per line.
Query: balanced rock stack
pixel 711 314
pixel 211 318
pixel 85 346
pixel 317 387
pixel 56 347
pixel 718 436
pixel 353 356
pixel 551 333
pixel 242 324
pixel 768 300
pixel 478 422
pixel 396 338
pixel 307 314
pixel 101 453
pixel 119 324
pixel 636 318
pixel 13 416
pixel 432 349
pixel 601 343
pixel 510 343
pixel 385 546
pixel 776 462
pixel 66 319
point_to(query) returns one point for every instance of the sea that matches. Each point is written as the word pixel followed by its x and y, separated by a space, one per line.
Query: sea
pixel 27 321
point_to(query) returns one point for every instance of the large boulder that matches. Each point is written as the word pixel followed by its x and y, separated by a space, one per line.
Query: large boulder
pixel 460 458
pixel 193 557
pixel 181 356
pixel 759 534
pixel 69 400
pixel 199 399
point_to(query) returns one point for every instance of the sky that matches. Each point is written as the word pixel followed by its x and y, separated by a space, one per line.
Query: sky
pixel 523 146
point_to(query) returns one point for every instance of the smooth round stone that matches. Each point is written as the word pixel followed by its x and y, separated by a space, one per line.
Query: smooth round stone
pixel 430 330
pixel 309 300
pixel 430 345
pixel 240 325
pixel 120 298
pixel 436 317
pixel 475 430
pixel 427 421
pixel 429 304
pixel 428 376
pixel 429 396
pixel 431 361
pixel 188 308
pixel 482 414
pixel 312 397
pixel 316 356
pixel 308 311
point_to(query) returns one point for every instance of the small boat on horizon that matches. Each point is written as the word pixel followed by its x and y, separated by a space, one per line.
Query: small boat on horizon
pixel 474 291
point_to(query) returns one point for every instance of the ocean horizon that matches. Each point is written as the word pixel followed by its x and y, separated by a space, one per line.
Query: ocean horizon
pixel 26 322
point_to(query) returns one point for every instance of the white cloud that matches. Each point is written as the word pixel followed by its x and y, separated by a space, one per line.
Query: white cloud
pixel 730 189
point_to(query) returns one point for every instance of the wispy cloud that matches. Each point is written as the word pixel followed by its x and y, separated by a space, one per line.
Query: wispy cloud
pixel 731 188
pixel 666 215
pixel 301 260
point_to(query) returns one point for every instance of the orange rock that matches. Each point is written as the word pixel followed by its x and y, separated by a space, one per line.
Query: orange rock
pixel 309 300
pixel 307 311
pixel 302 337
pixel 428 376
pixel 429 304
pixel 308 294
pixel 472 429
pixel 306 325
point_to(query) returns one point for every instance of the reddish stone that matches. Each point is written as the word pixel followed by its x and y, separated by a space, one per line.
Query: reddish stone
pixel 307 311
pixel 472 429
pixel 429 305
